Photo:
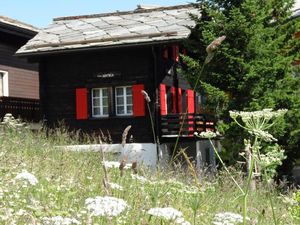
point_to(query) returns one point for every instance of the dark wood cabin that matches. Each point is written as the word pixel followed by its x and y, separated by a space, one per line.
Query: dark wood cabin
pixel 93 69
pixel 19 80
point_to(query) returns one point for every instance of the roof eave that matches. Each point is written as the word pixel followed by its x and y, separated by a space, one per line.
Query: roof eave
pixel 95 48
pixel 18 31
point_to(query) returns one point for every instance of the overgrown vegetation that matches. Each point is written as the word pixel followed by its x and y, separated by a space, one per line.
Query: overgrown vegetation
pixel 43 184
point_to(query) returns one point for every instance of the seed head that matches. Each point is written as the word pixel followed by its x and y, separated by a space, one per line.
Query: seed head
pixel 124 135
pixel 146 96
pixel 134 167
pixel 210 49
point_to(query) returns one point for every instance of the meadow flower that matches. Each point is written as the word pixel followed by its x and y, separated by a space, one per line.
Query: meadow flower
pixel 112 164
pixel 167 213
pixel 105 206
pixel 21 212
pixel 115 186
pixel 228 218
pixel 139 178
pixel 264 135
pixel 30 178
pixel 59 220
pixel 206 134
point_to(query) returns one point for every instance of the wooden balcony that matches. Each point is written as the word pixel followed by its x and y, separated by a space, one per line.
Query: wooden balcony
pixel 27 109
pixel 185 125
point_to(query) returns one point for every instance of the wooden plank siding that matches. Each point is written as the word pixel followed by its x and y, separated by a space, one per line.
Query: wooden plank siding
pixel 60 75
pixel 22 83
pixel 23 77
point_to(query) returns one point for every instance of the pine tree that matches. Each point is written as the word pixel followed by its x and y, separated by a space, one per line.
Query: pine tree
pixel 254 65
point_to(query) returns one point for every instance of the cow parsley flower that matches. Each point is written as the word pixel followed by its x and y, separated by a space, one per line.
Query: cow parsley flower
pixel 59 220
pixel 105 206
pixel 30 178
pixel 227 218
pixel 206 134
pixel 167 213
pixel 170 214
pixel 264 135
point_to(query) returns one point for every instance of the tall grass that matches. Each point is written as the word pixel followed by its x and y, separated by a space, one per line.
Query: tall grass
pixel 67 179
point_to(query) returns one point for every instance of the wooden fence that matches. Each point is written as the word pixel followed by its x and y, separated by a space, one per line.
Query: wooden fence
pixel 27 109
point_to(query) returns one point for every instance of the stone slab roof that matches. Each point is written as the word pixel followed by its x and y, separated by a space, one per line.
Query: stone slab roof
pixel 18 24
pixel 113 29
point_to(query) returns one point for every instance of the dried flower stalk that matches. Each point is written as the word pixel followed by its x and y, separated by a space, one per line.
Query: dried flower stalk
pixel 146 96
pixel 134 167
pixel 210 49
pixel 124 135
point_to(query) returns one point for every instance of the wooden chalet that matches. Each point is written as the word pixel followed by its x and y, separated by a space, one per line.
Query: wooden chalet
pixel 94 67
pixel 19 80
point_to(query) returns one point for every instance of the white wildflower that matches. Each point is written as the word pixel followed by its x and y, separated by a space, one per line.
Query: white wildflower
pixel 59 220
pixel 139 178
pixel 266 114
pixel 115 186
pixel 112 164
pixel 21 212
pixel 264 135
pixel 30 178
pixel 207 134
pixel 182 221
pixel 228 218
pixel 167 213
pixel 105 206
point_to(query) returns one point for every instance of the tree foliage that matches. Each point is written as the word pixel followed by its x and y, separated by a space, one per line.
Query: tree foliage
pixel 254 65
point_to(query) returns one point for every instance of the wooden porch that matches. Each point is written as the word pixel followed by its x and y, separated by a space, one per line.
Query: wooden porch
pixel 27 109
pixel 185 125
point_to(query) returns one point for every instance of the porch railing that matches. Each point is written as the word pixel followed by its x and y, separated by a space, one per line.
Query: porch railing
pixel 189 123
pixel 27 109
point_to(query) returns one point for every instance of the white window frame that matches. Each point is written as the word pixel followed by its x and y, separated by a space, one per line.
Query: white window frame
pixel 101 115
pixel 126 113
pixel 5 88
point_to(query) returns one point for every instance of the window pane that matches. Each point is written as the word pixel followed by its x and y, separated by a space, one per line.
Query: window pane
pixel 129 109
pixel 120 101
pixel 104 92
pixel 105 110
pixel 119 91
pixel 120 110
pixel 96 102
pixel 105 101
pixel 96 111
pixel 129 100
pixel 96 93
pixel 128 91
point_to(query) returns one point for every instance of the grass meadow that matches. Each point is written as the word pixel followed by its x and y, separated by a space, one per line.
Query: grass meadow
pixel 43 184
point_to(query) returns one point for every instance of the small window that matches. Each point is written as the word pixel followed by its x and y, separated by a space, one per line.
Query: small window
pixel 3 83
pixel 123 101
pixel 100 101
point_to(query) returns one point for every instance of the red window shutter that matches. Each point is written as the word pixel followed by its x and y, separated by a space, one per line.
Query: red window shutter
pixel 174 100
pixel 81 104
pixel 190 101
pixel 179 100
pixel 191 109
pixel 138 100
pixel 175 53
pixel 163 100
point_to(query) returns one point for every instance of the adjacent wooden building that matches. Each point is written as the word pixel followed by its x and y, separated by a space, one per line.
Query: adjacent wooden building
pixel 19 80
pixel 94 67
